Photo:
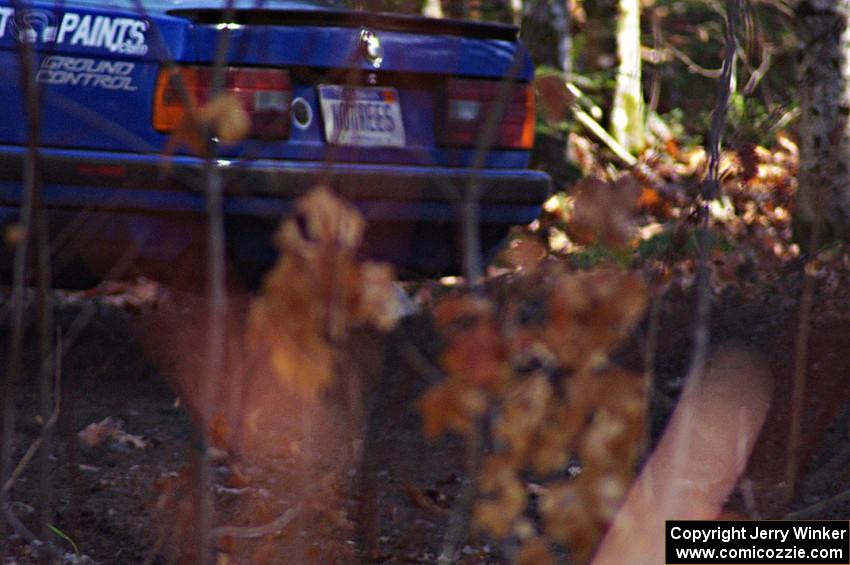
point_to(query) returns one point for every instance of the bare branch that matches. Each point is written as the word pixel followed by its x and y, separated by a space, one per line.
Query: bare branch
pixel 819 509
pixel 692 65
pixel 272 527
pixel 710 191
pixel 801 357
pixel 216 302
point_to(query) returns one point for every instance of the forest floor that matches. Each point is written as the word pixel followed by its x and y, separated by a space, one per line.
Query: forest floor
pixel 125 503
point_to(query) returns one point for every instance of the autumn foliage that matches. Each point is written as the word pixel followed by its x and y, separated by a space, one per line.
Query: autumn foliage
pixel 529 373
pixel 547 396
pixel 286 415
pixel 318 292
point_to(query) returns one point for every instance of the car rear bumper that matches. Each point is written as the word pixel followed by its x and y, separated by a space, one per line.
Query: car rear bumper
pixel 152 184
pixel 101 204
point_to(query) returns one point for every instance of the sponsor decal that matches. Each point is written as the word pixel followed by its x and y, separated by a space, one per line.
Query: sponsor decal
pixel 91 73
pixel 118 35
pixel 114 34
pixel 5 15
pixel 34 26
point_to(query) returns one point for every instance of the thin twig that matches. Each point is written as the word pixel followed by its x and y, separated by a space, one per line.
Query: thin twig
pixel 655 85
pixel 419 362
pixel 603 136
pixel 759 72
pixel 248 532
pixel 710 191
pixel 821 508
pixel 692 65
pixel 37 233
pixel 15 351
pixel 801 350
pixel 216 298
pixel 470 224
pixel 459 517
pixel 16 344
pixel 18 526
pixel 215 351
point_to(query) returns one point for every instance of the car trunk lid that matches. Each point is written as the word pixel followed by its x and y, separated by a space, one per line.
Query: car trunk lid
pixel 327 54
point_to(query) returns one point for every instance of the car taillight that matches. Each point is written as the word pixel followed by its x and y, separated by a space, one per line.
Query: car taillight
pixel 468 104
pixel 264 93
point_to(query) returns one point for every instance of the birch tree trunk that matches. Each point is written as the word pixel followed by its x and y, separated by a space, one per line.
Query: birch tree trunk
pixel 432 9
pixel 627 120
pixel 516 7
pixel 824 82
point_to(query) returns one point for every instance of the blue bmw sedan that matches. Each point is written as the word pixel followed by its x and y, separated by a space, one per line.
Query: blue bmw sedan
pixel 407 117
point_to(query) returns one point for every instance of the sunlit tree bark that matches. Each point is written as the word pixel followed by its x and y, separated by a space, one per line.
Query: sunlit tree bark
pixel 824 81
pixel 432 9
pixel 627 114
pixel 516 8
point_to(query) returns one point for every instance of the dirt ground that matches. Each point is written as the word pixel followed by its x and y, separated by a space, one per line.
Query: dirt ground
pixel 355 476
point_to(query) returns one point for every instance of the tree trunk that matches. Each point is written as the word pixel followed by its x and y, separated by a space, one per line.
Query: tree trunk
pixel 516 7
pixel 627 120
pixel 823 73
pixel 432 9
pixel 561 25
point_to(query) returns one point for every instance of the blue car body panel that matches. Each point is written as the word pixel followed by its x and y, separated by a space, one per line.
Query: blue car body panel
pixel 98 64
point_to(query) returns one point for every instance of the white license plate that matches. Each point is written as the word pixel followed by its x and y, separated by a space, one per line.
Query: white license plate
pixel 362 116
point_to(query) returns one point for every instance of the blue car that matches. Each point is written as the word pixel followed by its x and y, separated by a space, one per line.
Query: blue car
pixel 402 115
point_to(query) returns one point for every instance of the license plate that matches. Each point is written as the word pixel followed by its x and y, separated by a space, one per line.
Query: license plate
pixel 361 116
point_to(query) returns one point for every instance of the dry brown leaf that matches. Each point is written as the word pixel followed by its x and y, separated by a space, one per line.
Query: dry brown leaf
pixel 422 499
pixel 554 98
pixel 535 552
pixel 110 429
pixel 318 292
pixel 450 406
pixel 589 312
pixel 523 412
pixel 583 153
pixel 452 310
pixel 552 448
pixel 478 356
pixel 223 117
pixel 226 118
pixel 568 518
pixel 96 433
pixel 525 253
pixel 603 210
pixel 503 503
pixel 378 303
